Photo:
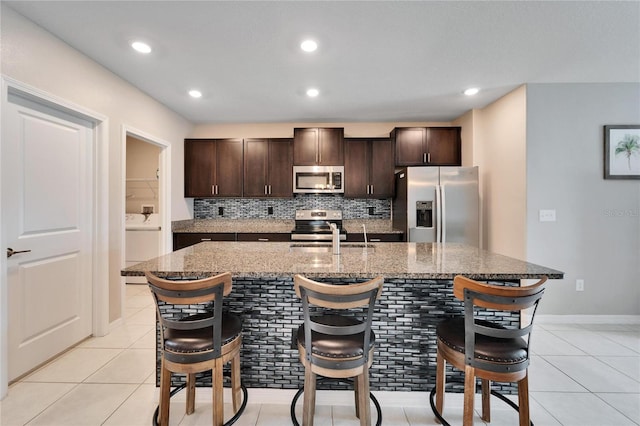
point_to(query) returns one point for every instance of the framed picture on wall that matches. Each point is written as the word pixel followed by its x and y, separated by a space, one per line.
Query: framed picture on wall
pixel 622 152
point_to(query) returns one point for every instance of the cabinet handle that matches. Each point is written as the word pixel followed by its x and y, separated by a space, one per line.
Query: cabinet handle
pixel 371 190
pixel 205 239
pixel 217 190
pixel 424 157
pixel 263 239
pixel 269 189
pixel 428 157
pixel 375 240
pixel 265 190
pixel 213 190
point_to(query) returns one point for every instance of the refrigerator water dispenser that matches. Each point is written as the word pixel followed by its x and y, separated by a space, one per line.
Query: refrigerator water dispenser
pixel 424 214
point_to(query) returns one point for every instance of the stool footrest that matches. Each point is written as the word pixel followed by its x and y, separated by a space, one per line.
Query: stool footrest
pixel 493 392
pixel 331 379
pixel 231 421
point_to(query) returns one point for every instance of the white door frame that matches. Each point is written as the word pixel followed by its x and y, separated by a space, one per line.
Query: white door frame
pixel 164 194
pixel 100 249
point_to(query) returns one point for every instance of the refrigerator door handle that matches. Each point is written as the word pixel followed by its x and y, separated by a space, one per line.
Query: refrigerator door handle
pixel 438 216
pixel 443 203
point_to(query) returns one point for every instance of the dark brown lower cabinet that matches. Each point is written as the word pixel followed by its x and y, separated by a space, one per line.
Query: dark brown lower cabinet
pixel 375 238
pixel 186 239
pixel 264 237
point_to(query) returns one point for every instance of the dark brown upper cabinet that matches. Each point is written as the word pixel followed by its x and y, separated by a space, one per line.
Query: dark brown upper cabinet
pixel 213 168
pixel 318 146
pixel 427 146
pixel 268 168
pixel 369 168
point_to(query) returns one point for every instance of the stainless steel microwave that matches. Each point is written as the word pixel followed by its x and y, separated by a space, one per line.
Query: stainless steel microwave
pixel 318 179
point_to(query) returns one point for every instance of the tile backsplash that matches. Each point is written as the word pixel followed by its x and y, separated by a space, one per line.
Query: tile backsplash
pixel 284 208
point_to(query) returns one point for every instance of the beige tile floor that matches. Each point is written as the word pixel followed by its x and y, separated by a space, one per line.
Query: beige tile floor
pixel 580 375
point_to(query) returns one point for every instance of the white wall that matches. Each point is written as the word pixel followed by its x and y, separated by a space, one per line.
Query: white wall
pixel 597 233
pixel 499 139
pixel 285 130
pixel 36 58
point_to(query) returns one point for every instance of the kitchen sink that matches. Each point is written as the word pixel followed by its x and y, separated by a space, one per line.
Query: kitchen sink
pixel 327 248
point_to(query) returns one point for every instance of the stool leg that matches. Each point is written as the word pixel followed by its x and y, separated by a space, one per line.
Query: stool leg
pixel 440 382
pixel 309 406
pixel 191 393
pixel 356 392
pixel 235 382
pixel 165 389
pixel 486 405
pixel 218 403
pixel 523 401
pixel 469 393
pixel 363 398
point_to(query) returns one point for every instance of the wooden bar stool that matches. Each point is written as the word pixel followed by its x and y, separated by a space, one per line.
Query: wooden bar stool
pixel 197 342
pixel 333 345
pixel 486 349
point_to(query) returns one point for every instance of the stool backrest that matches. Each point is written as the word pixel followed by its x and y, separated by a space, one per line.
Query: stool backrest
pixel 499 298
pixel 338 297
pixel 185 291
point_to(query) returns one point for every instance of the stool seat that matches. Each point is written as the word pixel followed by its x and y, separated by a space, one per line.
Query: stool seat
pixel 199 340
pixel 514 350
pixel 335 346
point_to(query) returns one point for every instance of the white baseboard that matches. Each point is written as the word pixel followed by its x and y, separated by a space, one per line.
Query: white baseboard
pixel 587 319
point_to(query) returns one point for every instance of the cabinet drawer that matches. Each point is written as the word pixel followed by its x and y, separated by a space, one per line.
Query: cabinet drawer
pixel 375 238
pixel 264 237
pixel 186 239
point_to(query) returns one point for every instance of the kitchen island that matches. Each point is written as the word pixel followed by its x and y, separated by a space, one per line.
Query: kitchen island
pixel 417 295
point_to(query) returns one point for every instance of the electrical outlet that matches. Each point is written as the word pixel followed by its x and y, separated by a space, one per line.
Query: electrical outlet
pixel 371 210
pixel 220 211
pixel 579 285
pixel 269 210
pixel 547 215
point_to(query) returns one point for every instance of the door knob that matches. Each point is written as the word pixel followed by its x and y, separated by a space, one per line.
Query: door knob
pixel 11 252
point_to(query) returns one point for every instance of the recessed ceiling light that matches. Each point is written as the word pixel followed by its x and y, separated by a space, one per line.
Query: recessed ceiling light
pixel 195 93
pixel 312 93
pixel 471 91
pixel 309 45
pixel 141 47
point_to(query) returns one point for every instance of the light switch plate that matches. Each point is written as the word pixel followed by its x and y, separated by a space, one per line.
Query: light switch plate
pixel 547 215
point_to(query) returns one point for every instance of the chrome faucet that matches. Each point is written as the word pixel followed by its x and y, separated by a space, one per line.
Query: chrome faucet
pixel 335 241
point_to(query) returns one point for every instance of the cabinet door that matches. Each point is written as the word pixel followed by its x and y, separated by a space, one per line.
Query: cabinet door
pixel 229 167
pixel 356 167
pixel 382 169
pixel 331 147
pixel 199 167
pixel 410 146
pixel 280 168
pixel 256 167
pixel 305 147
pixel 444 146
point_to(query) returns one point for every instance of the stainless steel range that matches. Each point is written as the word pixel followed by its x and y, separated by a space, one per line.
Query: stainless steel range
pixel 313 225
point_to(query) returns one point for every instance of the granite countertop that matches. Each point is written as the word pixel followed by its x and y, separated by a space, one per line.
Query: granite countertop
pixel 353 226
pixel 391 260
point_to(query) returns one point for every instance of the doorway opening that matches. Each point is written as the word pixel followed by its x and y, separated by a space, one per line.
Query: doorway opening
pixel 146 203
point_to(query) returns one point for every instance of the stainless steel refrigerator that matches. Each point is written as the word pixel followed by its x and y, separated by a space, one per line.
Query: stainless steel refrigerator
pixel 438 204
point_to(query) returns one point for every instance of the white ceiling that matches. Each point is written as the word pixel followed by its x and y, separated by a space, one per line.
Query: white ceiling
pixel 376 61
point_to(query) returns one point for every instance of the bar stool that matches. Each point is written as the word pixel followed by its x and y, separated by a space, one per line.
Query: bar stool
pixel 334 345
pixel 486 349
pixel 197 342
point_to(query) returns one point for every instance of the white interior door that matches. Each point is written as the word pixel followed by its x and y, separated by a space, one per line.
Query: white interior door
pixel 47 201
